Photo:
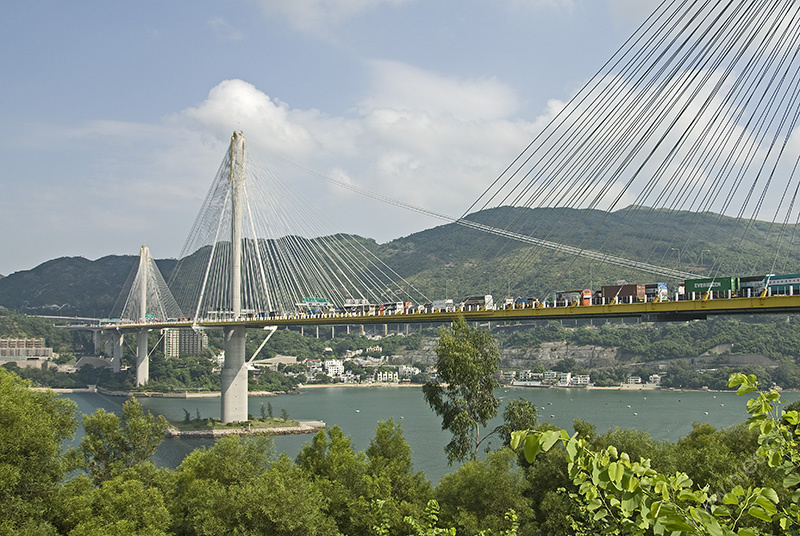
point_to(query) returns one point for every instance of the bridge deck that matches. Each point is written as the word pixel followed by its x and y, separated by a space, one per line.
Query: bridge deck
pixel 649 311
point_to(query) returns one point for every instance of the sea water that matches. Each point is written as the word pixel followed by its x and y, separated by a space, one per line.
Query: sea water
pixel 665 415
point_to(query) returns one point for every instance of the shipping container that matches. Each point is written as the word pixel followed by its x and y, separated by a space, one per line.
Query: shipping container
pixel 624 293
pixel 719 286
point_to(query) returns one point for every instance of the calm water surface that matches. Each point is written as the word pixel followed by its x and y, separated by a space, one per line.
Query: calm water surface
pixel 664 414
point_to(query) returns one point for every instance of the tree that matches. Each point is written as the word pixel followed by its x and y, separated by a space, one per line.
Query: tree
pixel 33 427
pixel 112 443
pixel 121 505
pixel 467 360
pixel 235 488
pixel 338 471
pixel 520 414
pixel 391 478
pixel 478 494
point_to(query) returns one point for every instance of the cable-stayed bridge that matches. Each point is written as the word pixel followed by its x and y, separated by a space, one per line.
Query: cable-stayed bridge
pixel 696 113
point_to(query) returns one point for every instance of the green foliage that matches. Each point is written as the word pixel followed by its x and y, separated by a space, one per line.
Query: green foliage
pixel 427 527
pixel 235 488
pixel 479 492
pixel 339 471
pixel 616 494
pixel 33 426
pixel 181 373
pixel 463 393
pixel 122 505
pixel 391 482
pixel 112 444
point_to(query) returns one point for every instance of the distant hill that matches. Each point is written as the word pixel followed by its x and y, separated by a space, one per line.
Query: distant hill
pixel 69 286
pixel 458 261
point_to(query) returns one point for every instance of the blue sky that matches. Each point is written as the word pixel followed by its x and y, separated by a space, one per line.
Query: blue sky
pixel 116 115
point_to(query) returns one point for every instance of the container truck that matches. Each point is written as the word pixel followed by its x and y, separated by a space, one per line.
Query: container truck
pixel 573 297
pixel 478 303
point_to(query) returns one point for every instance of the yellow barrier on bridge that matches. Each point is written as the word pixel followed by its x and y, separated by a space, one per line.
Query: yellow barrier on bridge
pixel 648 311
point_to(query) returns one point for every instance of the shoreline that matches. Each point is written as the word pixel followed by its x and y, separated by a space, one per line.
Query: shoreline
pixel 357 385
pixel 303 427
pixel 217 394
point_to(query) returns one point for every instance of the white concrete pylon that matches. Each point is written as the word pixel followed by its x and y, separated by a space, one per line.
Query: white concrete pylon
pixel 234 369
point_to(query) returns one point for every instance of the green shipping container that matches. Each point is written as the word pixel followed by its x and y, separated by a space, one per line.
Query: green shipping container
pixel 716 284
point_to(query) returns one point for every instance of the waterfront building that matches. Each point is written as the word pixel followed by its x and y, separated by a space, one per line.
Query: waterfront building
pixel 550 376
pixel 654 379
pixel 582 380
pixel 387 376
pixel 405 371
pixel 333 367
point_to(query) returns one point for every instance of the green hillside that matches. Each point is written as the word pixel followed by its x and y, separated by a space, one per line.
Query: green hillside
pixel 468 261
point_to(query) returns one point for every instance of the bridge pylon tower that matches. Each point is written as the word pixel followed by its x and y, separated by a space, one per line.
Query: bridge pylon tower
pixel 148 300
pixel 234 369
pixel 142 361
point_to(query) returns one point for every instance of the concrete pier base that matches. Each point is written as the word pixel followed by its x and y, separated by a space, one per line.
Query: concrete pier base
pixel 142 360
pixel 117 351
pixel 234 376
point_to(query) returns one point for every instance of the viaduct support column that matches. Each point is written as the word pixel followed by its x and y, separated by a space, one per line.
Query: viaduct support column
pixel 117 343
pixel 96 338
pixel 142 362
pixel 108 345
pixel 234 376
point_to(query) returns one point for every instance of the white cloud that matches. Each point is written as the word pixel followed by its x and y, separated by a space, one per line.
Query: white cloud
pixel 566 5
pixel 225 29
pixel 316 17
pixel 633 10
pixel 400 87
pixel 238 105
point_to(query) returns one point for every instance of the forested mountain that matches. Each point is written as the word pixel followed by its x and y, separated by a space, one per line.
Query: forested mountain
pixel 460 261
